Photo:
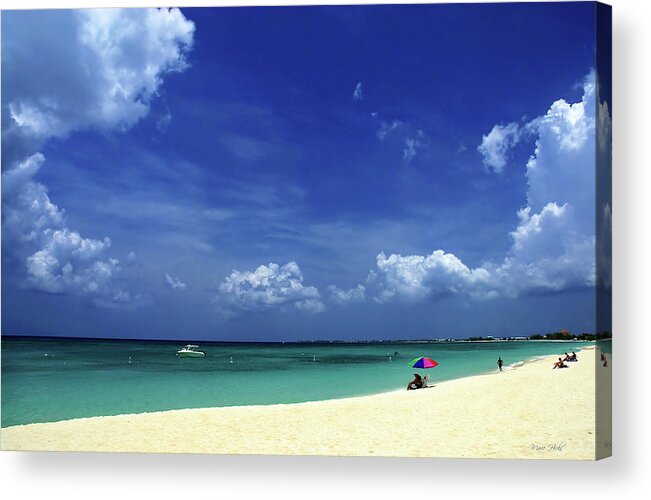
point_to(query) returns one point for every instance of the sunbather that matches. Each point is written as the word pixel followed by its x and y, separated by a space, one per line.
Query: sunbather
pixel 559 364
pixel 417 383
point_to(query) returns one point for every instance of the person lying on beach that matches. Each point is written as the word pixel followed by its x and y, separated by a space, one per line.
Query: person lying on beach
pixel 417 383
pixel 559 364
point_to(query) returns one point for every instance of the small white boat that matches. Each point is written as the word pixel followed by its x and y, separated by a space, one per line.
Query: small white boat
pixel 190 351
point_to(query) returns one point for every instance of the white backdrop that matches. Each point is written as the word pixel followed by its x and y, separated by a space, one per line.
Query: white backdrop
pixel 626 475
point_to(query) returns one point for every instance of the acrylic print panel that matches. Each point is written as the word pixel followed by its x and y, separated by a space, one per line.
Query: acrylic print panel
pixel 346 230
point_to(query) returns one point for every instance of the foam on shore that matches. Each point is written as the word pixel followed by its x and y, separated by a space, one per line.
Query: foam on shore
pixel 531 411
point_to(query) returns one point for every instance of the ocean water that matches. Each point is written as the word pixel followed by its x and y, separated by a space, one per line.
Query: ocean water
pixel 46 380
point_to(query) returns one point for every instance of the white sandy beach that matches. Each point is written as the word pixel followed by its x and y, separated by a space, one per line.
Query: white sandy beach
pixel 529 412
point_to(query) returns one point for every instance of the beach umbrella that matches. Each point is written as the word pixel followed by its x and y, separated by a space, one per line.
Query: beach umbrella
pixel 423 362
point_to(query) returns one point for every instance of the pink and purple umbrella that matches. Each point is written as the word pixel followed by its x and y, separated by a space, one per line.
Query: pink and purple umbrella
pixel 423 362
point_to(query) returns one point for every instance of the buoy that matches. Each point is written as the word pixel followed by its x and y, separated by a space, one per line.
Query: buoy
pixel 231 359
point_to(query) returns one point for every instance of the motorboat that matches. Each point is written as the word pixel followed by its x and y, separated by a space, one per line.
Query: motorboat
pixel 190 351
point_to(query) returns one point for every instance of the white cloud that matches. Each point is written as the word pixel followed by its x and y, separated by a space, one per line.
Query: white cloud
pixel 46 254
pixel 26 208
pixel 413 145
pixel 69 263
pixel 90 68
pixel 386 128
pixel 27 211
pixel 403 133
pixel 353 295
pixel 553 245
pixel 174 283
pixel 267 288
pixel 358 94
pixel 414 278
pixel 549 253
pixel 562 168
pixel 496 145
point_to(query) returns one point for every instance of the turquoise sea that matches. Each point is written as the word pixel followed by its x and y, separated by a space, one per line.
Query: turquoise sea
pixel 46 380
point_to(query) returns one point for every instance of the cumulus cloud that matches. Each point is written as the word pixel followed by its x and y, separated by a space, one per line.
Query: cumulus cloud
pixel 414 278
pixel 44 252
pixel 268 288
pixel 553 245
pixel 358 94
pixel 562 168
pixel 90 68
pixel 26 207
pixel 70 263
pixel 549 253
pixel 174 283
pixel 496 145
pixel 351 296
pixel 65 71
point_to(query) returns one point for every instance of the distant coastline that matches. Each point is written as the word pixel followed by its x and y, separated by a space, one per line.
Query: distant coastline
pixel 296 342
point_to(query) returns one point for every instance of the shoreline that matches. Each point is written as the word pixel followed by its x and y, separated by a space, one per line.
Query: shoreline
pixel 509 414
pixel 510 367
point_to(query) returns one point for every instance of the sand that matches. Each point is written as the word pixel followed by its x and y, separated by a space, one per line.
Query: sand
pixel 528 412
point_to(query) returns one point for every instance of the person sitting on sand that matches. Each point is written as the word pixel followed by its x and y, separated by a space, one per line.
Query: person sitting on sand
pixel 573 357
pixel 567 357
pixel 425 380
pixel 559 364
pixel 417 383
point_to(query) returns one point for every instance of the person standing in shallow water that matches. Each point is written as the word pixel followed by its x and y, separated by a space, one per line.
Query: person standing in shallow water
pixel 499 363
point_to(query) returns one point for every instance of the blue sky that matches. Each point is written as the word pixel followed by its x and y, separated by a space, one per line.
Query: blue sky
pixel 299 173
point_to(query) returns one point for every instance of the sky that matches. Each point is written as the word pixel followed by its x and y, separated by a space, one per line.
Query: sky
pixel 301 173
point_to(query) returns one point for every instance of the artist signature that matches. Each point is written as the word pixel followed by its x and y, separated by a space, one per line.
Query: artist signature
pixel 557 447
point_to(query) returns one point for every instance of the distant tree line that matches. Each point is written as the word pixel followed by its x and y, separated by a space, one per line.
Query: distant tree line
pixel 572 336
pixel 551 336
